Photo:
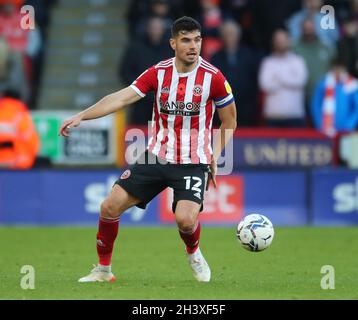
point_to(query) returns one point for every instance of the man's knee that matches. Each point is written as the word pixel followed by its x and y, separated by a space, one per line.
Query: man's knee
pixel 186 215
pixel 117 202
pixel 110 209
pixel 186 221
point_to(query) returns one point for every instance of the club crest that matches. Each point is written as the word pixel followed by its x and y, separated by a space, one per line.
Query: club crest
pixel 125 174
pixel 198 90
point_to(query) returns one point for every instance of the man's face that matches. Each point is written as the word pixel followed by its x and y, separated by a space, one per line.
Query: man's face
pixel 281 42
pixel 155 30
pixel 313 5
pixel 351 28
pixel 230 34
pixel 308 29
pixel 338 70
pixel 187 46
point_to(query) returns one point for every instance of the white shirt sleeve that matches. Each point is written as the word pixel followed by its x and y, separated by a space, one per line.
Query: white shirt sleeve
pixel 268 77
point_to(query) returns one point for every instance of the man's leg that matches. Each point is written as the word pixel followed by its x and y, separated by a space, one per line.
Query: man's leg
pixel 115 204
pixel 186 215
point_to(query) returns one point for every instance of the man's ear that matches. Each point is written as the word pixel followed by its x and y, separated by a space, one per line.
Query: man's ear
pixel 172 43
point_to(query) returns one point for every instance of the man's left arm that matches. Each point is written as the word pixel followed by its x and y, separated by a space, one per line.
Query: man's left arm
pixel 227 116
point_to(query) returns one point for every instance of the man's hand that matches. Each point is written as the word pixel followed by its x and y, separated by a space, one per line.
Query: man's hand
pixel 212 173
pixel 68 124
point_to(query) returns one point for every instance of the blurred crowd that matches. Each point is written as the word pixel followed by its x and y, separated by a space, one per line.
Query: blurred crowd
pixel 21 57
pixel 289 65
pixel 22 49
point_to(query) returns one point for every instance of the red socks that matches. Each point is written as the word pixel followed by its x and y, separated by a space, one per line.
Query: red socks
pixel 108 230
pixel 107 233
pixel 191 239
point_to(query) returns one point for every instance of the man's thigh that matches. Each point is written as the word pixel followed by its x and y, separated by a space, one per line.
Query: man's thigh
pixel 143 182
pixel 187 212
pixel 119 200
pixel 189 183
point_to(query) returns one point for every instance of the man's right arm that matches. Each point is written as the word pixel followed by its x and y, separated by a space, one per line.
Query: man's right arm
pixel 107 105
pixel 268 79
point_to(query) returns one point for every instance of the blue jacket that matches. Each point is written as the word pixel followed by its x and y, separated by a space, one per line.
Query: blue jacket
pixel 327 36
pixel 346 117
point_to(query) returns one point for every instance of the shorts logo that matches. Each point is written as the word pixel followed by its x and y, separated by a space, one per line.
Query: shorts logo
pixel 197 195
pixel 165 90
pixel 198 90
pixel 126 174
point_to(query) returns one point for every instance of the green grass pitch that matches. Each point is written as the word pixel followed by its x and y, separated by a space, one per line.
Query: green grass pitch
pixel 150 263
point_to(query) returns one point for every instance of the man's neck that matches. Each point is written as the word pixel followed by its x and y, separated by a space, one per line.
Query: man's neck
pixel 281 54
pixel 185 68
pixel 309 39
pixel 232 50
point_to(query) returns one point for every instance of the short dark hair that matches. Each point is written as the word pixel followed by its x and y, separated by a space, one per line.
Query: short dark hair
pixel 337 61
pixel 185 24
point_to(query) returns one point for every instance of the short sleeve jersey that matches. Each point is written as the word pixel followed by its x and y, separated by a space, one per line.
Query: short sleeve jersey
pixel 183 109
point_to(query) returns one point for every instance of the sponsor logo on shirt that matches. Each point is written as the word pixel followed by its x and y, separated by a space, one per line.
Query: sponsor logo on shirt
pixel 180 108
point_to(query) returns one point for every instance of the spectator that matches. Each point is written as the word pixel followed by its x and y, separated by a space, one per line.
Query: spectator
pixel 316 55
pixel 241 12
pixel 12 71
pixel 136 10
pixel 348 46
pixel 20 40
pixel 240 64
pixel 353 12
pixel 19 142
pixel 210 18
pixel 342 8
pixel 38 39
pixel 42 16
pixel 139 56
pixel 4 57
pixel 312 8
pixel 335 102
pixel 28 43
pixel 268 16
pixel 159 8
pixel 282 78
pixel 17 3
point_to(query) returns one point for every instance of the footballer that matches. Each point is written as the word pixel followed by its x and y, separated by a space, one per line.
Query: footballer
pixel 188 90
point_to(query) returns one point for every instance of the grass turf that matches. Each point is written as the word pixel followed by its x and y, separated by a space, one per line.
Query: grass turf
pixel 150 264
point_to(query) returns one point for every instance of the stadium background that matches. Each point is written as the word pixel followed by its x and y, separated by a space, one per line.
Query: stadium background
pixel 85 49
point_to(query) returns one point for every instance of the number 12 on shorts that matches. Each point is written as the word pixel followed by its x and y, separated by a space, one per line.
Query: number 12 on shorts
pixel 196 186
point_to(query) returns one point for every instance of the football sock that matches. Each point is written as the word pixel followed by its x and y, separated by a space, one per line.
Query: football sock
pixel 191 239
pixel 105 268
pixel 106 235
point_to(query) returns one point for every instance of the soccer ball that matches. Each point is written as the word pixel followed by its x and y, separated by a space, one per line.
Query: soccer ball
pixel 255 232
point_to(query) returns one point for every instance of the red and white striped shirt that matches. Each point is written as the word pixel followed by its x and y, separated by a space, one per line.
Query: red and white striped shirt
pixel 183 109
